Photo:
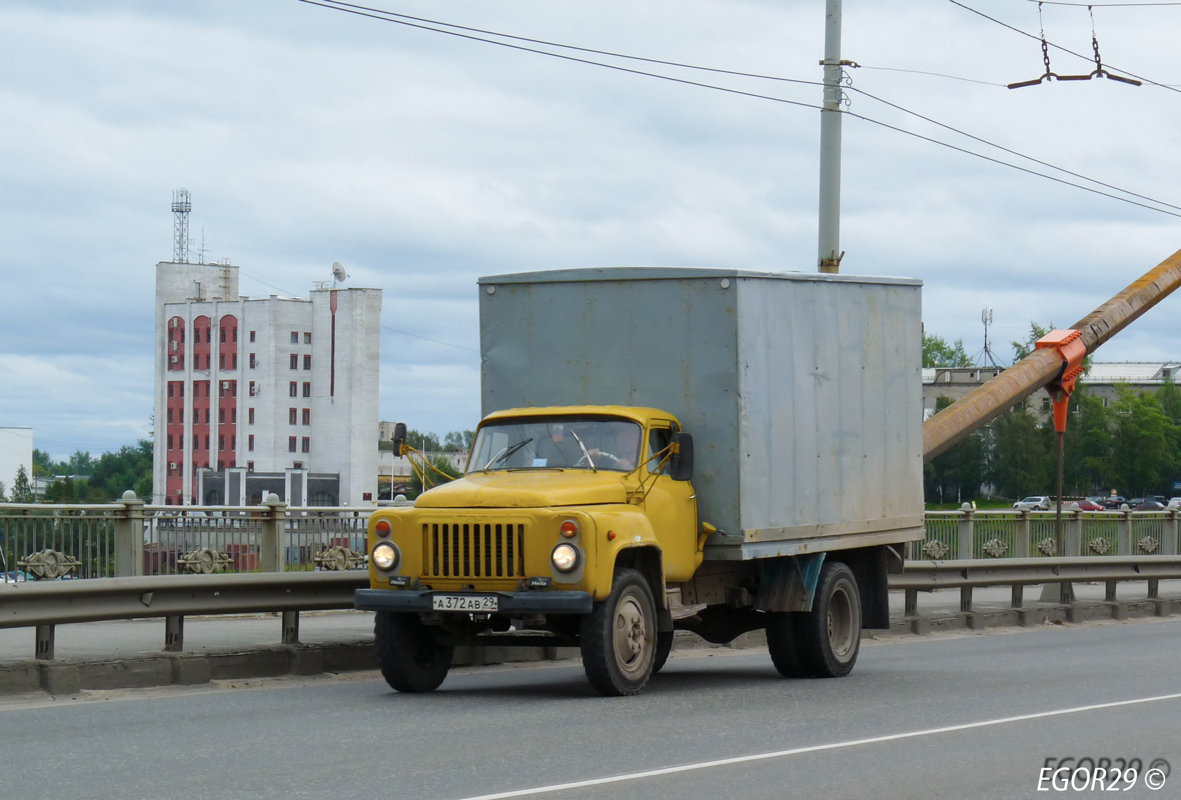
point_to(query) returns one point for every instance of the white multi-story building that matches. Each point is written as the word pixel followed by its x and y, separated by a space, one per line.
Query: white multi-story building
pixel 273 394
pixel 16 451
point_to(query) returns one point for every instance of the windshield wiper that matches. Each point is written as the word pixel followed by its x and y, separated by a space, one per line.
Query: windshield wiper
pixel 505 452
pixel 585 454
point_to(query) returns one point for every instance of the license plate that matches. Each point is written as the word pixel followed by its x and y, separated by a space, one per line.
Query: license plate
pixel 464 602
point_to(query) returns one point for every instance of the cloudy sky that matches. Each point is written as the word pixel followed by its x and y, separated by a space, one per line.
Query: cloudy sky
pixel 423 161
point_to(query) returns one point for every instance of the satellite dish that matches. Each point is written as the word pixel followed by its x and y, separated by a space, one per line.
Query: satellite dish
pixel 338 273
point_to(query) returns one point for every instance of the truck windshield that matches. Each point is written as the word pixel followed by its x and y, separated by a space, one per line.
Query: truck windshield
pixel 553 443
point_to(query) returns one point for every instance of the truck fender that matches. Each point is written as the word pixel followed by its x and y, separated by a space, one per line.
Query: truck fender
pixel 788 583
pixel 648 561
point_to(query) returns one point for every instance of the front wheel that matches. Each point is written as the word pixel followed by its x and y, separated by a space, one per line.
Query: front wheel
pixel 618 638
pixel 664 646
pixel 829 636
pixel 411 660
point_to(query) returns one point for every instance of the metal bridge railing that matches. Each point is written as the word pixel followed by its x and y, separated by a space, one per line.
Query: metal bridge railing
pixel 1004 533
pixel 128 539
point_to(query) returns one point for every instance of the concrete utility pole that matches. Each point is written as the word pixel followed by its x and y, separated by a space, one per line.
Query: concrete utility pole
pixel 830 143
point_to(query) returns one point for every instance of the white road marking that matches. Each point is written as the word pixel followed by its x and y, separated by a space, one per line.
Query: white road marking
pixel 724 762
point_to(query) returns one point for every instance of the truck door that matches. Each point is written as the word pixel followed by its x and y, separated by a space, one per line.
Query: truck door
pixel 671 507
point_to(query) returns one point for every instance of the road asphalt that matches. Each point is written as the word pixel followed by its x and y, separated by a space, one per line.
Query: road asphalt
pixel 966 715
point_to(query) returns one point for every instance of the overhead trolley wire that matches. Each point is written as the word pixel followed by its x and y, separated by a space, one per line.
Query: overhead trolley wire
pixel 384 16
pixel 1060 47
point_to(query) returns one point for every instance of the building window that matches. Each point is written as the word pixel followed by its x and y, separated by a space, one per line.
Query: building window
pixel 250 416
pixel 294 361
pixel 233 442
pixel 307 445
pixel 307 362
pixel 233 416
pixel 221 445
pixel 207 416
pixel 196 336
pixel 307 416
pixel 170 416
pixel 221 361
pixel 196 446
pixel 291 416
pixel 250 466
pixel 293 389
pixel 233 388
pixel 169 442
pixel 252 336
pixel 170 388
pixel 223 334
pixel 290 444
pixel 208 362
pixel 207 442
pixel 234 334
pixel 295 337
pixel 307 337
pixel 297 465
pixel 252 391
pixel 307 389
pixel 253 361
pixel 250 443
pixel 221 416
pixel 235 356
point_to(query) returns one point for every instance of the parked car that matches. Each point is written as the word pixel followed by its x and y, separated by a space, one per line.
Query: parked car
pixel 1114 501
pixel 1149 504
pixel 1091 504
pixel 1038 502
pixel 1174 502
pixel 1135 501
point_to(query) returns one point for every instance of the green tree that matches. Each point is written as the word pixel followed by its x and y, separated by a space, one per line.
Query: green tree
pixel 1019 463
pixel 3 496
pixel 441 464
pixel 1169 397
pixel 458 441
pixel 80 463
pixel 1088 441
pixel 1022 349
pixel 938 353
pixel 44 465
pixel 1144 442
pixel 130 467
pixel 22 491
pixel 425 442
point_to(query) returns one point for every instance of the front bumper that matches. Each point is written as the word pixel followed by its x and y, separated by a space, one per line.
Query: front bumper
pixel 537 602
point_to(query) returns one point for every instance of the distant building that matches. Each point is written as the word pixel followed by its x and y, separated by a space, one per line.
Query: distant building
pixel 16 451
pixel 1102 380
pixel 261 395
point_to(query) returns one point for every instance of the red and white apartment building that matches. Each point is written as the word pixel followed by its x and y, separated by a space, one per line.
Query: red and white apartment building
pixel 261 395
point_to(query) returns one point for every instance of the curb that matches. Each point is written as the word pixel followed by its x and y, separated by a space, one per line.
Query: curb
pixel 61 677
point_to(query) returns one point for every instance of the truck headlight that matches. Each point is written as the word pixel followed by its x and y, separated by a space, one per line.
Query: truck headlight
pixel 565 557
pixel 386 555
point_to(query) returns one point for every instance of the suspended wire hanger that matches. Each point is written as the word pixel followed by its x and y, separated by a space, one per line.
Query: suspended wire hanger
pixel 1049 74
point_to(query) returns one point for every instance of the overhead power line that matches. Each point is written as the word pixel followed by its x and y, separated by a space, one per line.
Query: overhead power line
pixel 385 16
pixel 1101 5
pixel 935 74
pixel 1060 47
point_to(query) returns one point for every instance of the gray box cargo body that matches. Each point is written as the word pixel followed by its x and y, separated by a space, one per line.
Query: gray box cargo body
pixel 802 391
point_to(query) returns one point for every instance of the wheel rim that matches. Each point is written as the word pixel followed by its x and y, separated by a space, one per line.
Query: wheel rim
pixel 842 631
pixel 632 635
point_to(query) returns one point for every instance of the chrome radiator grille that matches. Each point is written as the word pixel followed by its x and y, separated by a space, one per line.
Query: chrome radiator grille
pixel 474 550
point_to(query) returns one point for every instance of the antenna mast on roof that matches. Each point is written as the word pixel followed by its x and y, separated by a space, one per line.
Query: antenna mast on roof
pixel 987 357
pixel 181 206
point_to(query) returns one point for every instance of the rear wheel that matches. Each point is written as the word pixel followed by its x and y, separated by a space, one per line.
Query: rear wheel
pixel 829 636
pixel 411 660
pixel 618 638
pixel 784 645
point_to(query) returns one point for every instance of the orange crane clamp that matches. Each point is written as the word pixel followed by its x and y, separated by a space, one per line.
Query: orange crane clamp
pixel 1069 345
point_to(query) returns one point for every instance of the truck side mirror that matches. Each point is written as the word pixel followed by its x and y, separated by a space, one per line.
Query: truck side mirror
pixel 680 467
pixel 399 437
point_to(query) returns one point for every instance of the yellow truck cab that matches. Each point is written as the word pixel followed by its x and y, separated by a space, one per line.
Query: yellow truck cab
pixel 587 516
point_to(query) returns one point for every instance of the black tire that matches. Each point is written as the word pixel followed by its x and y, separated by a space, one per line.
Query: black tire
pixel 618 638
pixel 829 636
pixel 411 660
pixel 784 645
pixel 664 646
